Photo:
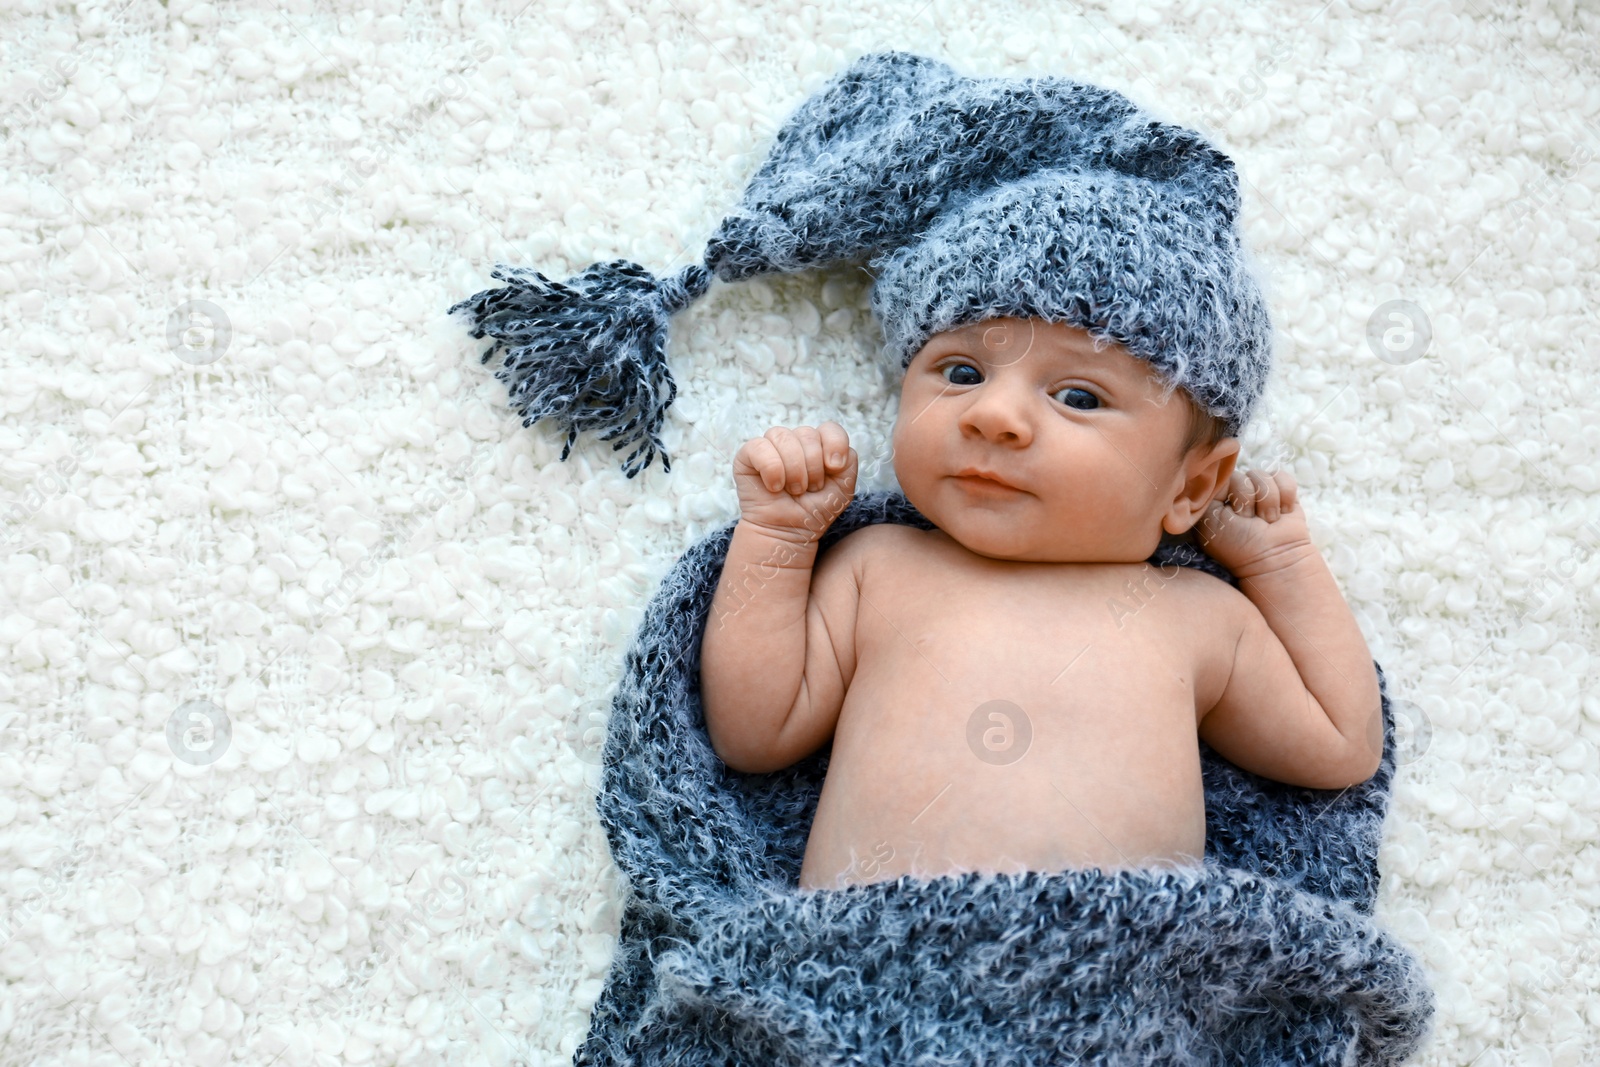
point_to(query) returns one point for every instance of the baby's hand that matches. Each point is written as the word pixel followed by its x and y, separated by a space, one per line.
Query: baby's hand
pixel 1256 525
pixel 794 483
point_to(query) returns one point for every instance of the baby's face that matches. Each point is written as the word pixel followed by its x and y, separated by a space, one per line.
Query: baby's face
pixel 1084 436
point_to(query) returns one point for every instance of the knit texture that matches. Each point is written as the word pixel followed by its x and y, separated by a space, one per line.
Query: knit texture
pixel 1267 955
pixel 1036 197
pixel 589 353
pixel 969 198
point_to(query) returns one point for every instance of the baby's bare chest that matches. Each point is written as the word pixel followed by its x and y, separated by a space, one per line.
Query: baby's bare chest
pixel 1046 713
pixel 1057 639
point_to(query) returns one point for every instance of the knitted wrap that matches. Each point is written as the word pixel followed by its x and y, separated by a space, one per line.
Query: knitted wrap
pixel 969 198
pixel 1266 955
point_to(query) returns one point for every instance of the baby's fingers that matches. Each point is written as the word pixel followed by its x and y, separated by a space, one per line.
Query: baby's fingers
pixel 1266 495
pixel 794 459
pixel 1241 494
pixel 813 474
pixel 835 446
pixel 760 455
pixel 1288 491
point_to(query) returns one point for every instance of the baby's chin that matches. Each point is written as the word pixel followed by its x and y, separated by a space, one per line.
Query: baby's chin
pixel 997 536
pixel 1010 537
pixel 1005 526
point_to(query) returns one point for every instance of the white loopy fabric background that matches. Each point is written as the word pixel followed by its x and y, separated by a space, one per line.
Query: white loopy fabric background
pixel 308 643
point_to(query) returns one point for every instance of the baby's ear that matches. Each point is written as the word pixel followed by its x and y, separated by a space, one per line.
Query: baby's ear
pixel 1206 470
pixel 1225 464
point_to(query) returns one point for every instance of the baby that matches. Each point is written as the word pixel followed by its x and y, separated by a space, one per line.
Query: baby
pixel 1017 689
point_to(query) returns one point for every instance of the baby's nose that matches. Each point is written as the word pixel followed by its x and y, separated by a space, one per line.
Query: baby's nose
pixel 997 415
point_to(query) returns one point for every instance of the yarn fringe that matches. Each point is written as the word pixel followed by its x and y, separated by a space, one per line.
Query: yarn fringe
pixel 588 353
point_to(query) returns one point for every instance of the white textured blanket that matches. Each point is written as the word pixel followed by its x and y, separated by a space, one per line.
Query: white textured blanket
pixel 306 643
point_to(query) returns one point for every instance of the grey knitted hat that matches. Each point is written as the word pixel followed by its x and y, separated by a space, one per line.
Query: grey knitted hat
pixel 974 198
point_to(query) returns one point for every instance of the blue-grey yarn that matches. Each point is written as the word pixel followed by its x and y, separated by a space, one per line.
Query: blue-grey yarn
pixel 970 198
pixel 590 352
pixel 1267 955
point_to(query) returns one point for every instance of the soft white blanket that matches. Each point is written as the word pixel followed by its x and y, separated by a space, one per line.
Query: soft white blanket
pixel 307 642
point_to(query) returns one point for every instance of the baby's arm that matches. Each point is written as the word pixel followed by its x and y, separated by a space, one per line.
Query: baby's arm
pixel 1301 704
pixel 773 671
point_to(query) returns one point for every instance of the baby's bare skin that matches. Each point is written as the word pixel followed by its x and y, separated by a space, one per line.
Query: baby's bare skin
pixel 926 655
pixel 1085 748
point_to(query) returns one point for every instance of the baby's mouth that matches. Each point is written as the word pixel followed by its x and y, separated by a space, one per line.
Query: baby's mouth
pixel 984 484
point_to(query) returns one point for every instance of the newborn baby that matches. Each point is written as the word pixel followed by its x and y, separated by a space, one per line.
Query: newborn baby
pixel 1017 689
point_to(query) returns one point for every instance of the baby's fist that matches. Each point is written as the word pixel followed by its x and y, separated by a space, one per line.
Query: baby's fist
pixel 1257 524
pixel 794 482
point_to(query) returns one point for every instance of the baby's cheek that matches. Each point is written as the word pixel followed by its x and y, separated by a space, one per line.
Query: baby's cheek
pixel 909 455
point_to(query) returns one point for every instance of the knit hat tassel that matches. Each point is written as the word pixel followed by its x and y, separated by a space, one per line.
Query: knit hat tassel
pixel 589 352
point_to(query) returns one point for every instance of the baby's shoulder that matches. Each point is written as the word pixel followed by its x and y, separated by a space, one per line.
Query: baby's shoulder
pixel 876 537
pixel 1204 598
pixel 1195 582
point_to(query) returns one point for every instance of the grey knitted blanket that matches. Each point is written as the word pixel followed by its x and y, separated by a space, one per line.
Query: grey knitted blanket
pixel 1267 956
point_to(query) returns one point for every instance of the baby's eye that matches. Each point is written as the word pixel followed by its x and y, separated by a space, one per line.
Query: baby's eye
pixel 959 367
pixel 1078 402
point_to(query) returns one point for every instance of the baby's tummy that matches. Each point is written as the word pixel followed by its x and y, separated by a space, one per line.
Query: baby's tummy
pixel 945 765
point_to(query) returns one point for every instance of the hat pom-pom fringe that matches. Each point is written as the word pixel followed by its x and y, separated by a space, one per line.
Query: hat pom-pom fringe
pixel 589 352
